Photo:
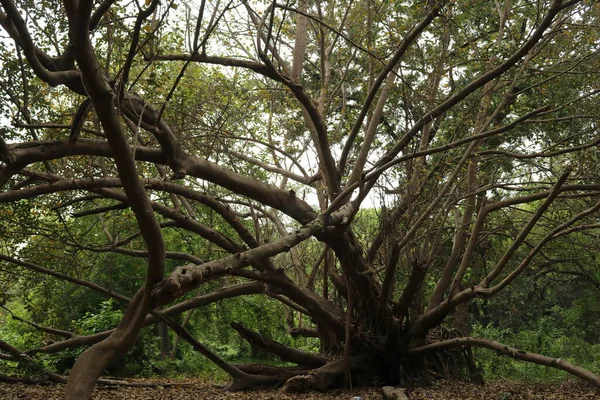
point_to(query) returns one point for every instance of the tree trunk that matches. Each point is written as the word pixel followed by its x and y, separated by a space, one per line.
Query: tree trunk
pixel 92 362
pixel 165 343
pixel 186 320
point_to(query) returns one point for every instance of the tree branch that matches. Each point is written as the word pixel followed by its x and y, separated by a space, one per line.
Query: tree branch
pixel 510 352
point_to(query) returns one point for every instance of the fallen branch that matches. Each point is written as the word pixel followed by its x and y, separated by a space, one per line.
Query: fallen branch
pixel 25 380
pixel 123 383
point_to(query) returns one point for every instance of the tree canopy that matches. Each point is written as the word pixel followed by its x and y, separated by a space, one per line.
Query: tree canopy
pixel 372 168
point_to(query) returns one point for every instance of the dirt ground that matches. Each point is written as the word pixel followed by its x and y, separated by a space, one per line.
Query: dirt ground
pixel 197 390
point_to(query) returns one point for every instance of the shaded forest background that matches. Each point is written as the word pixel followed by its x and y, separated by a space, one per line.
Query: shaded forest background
pixel 553 311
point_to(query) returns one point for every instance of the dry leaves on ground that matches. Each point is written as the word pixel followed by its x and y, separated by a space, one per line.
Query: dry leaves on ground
pixel 197 390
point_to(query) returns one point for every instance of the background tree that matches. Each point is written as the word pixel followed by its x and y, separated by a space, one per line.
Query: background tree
pixel 372 166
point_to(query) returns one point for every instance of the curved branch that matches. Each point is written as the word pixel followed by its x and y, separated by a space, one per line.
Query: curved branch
pixel 195 302
pixel 47 329
pixel 285 353
pixel 22 356
pixel 200 168
pixel 510 352
pixel 41 63
pixel 81 282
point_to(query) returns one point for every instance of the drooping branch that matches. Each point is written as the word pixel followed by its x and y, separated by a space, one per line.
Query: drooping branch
pixel 275 169
pixel 100 210
pixel 77 281
pixel 285 353
pixel 313 117
pixel 510 352
pixel 170 255
pixel 100 185
pixel 47 329
pixel 241 380
pixel 19 355
pixel 59 184
pixel 183 221
pixel 283 289
pixel 189 304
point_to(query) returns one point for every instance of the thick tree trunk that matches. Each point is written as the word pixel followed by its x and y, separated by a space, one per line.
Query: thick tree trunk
pixel 92 362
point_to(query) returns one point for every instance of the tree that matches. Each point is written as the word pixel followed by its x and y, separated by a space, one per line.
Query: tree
pixel 463 128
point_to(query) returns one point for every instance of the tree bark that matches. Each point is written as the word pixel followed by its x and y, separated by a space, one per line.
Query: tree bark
pixel 392 393
pixel 285 353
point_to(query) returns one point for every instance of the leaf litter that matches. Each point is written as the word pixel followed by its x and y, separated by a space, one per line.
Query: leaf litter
pixel 202 390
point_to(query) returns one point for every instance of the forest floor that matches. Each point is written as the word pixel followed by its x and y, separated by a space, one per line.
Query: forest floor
pixel 198 390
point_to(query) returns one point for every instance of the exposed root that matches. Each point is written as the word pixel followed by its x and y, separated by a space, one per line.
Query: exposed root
pixel 331 375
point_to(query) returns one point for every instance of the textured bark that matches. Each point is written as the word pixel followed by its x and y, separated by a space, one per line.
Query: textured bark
pixel 392 393
pixel 91 363
pixel 331 375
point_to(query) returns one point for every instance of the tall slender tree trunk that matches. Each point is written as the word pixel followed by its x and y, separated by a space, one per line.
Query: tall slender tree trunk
pixel 165 342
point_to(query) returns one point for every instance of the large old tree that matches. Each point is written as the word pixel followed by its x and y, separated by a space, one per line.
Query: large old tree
pixel 373 165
